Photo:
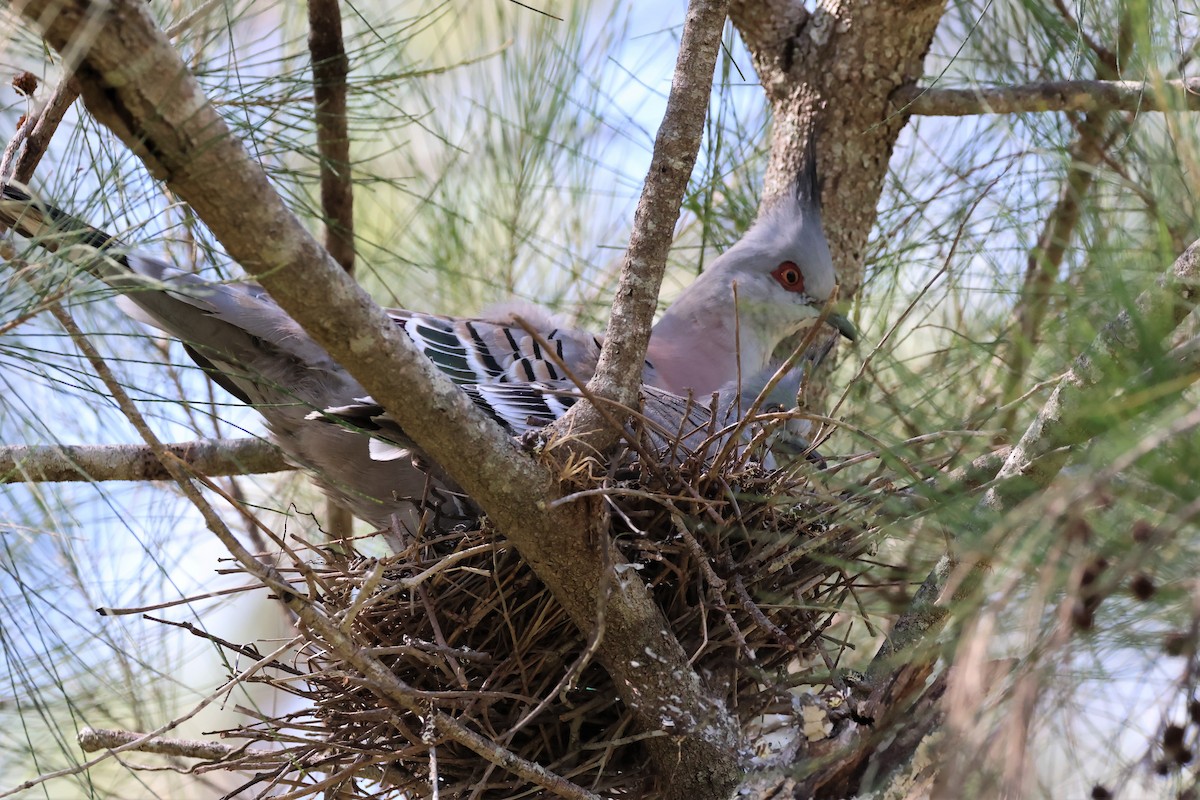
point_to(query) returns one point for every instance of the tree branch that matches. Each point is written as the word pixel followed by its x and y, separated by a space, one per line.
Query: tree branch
pixel 330 68
pixel 93 739
pixel 134 82
pixel 805 62
pixel 41 126
pixel 1079 96
pixel 619 370
pixel 131 462
pixel 768 27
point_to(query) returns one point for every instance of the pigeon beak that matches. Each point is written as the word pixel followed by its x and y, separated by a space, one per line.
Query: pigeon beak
pixel 844 326
pixel 791 445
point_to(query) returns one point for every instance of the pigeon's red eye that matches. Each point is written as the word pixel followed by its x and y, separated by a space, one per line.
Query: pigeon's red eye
pixel 789 276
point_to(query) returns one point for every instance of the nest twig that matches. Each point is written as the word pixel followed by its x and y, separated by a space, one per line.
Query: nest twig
pixel 750 568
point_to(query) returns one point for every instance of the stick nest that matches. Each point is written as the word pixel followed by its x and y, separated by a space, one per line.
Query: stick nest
pixel 751 569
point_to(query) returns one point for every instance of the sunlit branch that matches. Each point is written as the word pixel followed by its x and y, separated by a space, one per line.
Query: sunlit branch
pixel 131 462
pixel 1079 96
pixel 92 740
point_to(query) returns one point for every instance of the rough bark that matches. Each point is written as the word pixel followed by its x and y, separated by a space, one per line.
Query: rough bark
pixel 836 71
pixel 92 740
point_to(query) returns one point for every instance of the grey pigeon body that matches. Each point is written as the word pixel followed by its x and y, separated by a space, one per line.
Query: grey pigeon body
pixel 676 428
pixel 763 289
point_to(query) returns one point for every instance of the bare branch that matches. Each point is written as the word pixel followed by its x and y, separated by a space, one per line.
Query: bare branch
pixel 94 739
pixel 1079 96
pixel 34 136
pixel 131 462
pixel 330 68
pixel 508 760
pixel 618 373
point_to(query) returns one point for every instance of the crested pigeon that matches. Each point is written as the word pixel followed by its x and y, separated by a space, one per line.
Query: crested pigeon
pixel 760 291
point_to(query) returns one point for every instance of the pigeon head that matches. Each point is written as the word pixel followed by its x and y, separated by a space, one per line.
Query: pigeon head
pixel 773 282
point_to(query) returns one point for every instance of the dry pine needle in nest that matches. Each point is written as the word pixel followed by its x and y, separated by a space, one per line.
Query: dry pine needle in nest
pixel 749 567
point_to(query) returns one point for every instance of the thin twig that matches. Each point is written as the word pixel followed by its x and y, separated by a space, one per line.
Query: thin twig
pixel 136 744
pixel 93 739
pixel 110 611
pixel 248 650
pixel 34 136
